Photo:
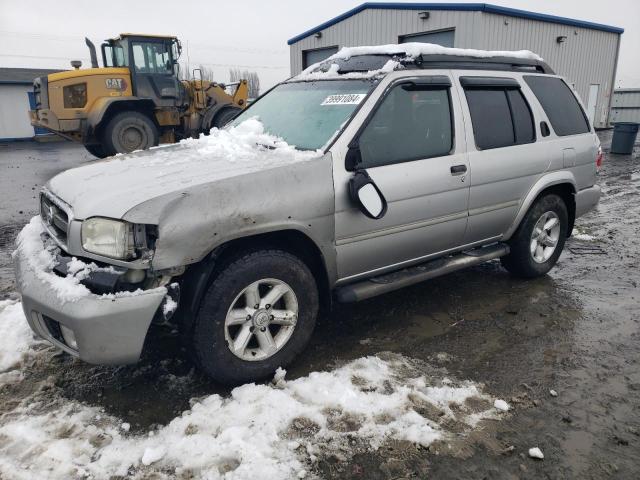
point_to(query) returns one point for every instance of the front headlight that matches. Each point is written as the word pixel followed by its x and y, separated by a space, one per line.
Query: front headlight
pixel 110 238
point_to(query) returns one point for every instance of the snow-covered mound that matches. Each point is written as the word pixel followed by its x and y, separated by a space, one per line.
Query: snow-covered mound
pixel 274 431
pixel 16 338
pixel 410 50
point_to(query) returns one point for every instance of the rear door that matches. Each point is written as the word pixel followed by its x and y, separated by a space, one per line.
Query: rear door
pixel 412 145
pixel 504 157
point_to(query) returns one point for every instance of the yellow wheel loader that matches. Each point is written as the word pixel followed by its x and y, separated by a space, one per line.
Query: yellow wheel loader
pixel 135 101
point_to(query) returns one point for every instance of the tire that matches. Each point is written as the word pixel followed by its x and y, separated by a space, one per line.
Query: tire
pixel 212 336
pixel 96 150
pixel 130 131
pixel 225 116
pixel 528 259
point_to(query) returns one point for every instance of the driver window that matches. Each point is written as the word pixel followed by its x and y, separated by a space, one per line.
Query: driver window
pixel 412 123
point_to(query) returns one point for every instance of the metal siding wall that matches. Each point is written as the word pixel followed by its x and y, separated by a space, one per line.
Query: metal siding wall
pixel 625 106
pixel 586 58
pixel 377 27
pixel 14 116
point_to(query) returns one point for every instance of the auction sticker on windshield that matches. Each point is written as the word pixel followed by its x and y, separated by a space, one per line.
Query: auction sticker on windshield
pixel 344 99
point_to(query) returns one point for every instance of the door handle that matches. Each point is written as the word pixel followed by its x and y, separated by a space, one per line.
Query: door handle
pixel 458 169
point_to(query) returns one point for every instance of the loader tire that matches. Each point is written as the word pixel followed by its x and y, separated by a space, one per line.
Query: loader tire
pixel 224 117
pixel 130 131
pixel 96 150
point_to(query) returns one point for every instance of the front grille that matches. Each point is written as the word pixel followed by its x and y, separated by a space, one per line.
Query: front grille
pixel 41 93
pixel 55 218
pixel 36 94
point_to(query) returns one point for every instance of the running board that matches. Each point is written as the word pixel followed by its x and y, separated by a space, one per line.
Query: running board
pixel 394 281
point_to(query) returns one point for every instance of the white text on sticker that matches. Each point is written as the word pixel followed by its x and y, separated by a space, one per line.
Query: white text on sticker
pixel 346 99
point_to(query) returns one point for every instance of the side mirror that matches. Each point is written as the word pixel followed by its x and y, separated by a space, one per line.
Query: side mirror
pixel 366 194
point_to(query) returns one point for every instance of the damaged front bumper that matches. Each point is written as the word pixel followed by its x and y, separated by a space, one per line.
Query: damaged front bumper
pixel 100 329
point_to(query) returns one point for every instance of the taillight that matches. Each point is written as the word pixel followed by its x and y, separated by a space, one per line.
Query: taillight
pixel 599 159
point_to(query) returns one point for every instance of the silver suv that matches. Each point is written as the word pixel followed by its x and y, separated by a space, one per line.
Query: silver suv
pixel 364 174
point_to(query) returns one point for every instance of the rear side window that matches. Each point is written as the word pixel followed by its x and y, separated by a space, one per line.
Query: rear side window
pixel 500 117
pixel 560 105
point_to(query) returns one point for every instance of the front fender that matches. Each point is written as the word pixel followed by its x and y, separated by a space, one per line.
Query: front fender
pixel 103 104
pixel 195 221
pixel 546 181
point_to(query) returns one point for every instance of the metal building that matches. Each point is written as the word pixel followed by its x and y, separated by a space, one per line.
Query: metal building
pixel 16 99
pixel 585 53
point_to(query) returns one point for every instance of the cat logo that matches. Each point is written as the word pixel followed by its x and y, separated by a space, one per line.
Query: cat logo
pixel 116 83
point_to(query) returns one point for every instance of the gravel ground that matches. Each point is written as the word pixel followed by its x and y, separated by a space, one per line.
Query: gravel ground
pixel 575 331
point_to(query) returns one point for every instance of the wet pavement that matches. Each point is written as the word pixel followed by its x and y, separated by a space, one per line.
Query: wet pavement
pixel 575 331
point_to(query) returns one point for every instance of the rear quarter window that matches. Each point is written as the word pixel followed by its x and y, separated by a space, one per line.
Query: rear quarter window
pixel 560 105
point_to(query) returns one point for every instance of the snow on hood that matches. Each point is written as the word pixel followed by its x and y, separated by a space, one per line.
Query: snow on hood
pixel 410 50
pixel 113 186
pixel 278 430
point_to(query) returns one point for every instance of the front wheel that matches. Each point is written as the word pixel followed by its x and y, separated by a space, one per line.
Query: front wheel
pixel 130 131
pixel 96 150
pixel 258 313
pixel 538 242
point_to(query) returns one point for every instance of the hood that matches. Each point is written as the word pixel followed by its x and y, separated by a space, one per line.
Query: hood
pixel 111 187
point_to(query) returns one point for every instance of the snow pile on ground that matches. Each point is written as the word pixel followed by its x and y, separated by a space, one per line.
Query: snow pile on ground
pixel 274 431
pixel 585 237
pixel 16 338
pixel 411 50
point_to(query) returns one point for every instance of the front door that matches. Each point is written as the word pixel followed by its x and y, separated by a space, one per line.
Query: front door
pixel 412 146
pixel 152 72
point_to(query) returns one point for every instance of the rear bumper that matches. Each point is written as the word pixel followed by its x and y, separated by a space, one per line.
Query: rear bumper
pixel 587 199
pixel 108 329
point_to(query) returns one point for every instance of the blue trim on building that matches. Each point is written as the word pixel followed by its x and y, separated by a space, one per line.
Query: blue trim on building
pixel 15 139
pixel 14 82
pixel 470 7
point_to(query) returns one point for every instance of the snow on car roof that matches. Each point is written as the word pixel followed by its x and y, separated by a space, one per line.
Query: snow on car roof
pixel 330 67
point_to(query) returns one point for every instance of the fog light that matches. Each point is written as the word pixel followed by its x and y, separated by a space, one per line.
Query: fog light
pixel 69 337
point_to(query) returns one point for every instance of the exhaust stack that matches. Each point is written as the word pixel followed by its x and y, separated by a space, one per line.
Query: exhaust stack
pixel 92 52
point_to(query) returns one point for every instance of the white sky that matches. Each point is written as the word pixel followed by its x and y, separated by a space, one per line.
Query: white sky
pixel 249 34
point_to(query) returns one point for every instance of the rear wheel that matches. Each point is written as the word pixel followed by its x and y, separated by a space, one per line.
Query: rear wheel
pixel 258 313
pixel 96 150
pixel 538 242
pixel 130 131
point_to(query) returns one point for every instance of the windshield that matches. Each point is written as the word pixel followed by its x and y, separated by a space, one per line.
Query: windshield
pixel 307 114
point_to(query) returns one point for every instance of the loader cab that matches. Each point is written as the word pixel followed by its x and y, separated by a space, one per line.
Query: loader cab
pixel 153 63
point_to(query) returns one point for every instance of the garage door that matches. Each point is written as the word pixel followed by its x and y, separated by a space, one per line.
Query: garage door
pixel 309 57
pixel 444 38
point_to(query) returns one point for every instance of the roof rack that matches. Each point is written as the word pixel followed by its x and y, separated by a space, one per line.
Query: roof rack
pixel 375 61
pixel 479 63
